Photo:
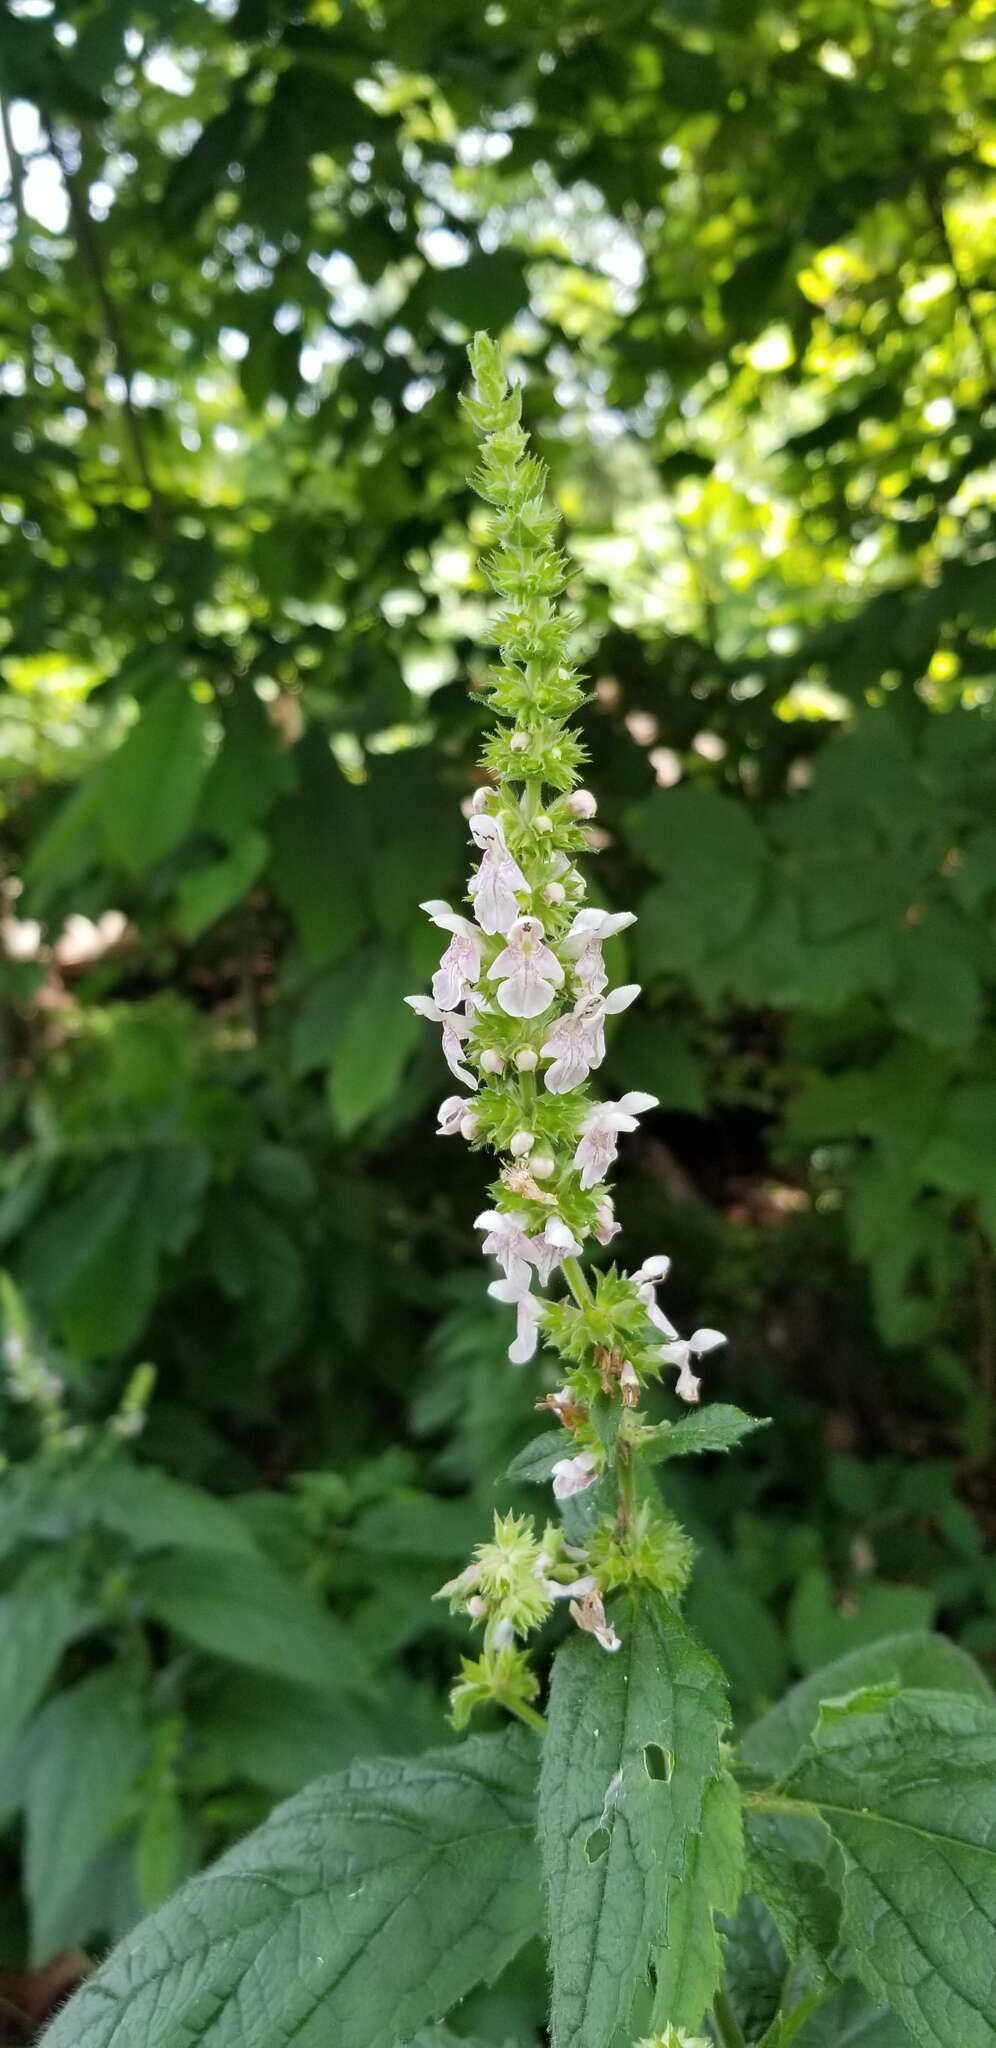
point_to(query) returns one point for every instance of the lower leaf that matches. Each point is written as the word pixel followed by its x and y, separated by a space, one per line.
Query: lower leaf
pixel 362 1909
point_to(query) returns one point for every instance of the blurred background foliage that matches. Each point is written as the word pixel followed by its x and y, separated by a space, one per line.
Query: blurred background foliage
pixel 742 255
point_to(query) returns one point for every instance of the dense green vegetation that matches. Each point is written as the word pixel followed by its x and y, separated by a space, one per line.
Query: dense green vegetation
pixel 742 256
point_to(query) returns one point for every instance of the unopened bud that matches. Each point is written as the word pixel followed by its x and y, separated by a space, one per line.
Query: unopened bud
pixel 476 1607
pixel 521 1144
pixel 527 1060
pixel 554 893
pixel 581 804
pixel 469 1126
pixel 629 1385
pixel 480 800
pixel 542 1164
pixel 519 742
pixel 542 823
pixel 492 1061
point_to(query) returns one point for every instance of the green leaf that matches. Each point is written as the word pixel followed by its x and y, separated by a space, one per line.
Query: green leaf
pixel 712 856
pixel 716 1428
pixel 774 1742
pixel 818 1631
pixel 151 785
pixel 632 1745
pixel 157 1512
pixel 787 1859
pixel 909 1792
pixel 849 2020
pixel 536 1461
pixel 245 1610
pixel 36 1623
pixel 364 1908
pixel 89 1742
pixel 689 1964
pixel 207 893
pixel 375 1043
pixel 317 839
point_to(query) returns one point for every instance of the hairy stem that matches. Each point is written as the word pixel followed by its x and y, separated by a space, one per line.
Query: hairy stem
pixel 729 2032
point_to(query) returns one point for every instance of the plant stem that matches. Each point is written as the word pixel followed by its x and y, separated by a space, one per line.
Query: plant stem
pixel 729 2032
pixel 530 1715
pixel 577 1283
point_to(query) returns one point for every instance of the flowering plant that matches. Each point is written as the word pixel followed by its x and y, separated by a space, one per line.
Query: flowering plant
pixel 831 1876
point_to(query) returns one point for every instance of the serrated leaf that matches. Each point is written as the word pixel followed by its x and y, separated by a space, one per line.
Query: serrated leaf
pixel 245 1610
pixel 716 1428
pixel 632 1745
pixel 88 1746
pixel 909 1793
pixel 772 1745
pixel 362 1909
pixel 536 1461
pixel 689 1963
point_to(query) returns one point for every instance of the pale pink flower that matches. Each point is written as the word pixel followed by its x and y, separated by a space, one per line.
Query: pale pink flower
pixel 528 1311
pixel 528 973
pixel 583 945
pixel 498 881
pixel 589 1613
pixel 600 1131
pixel 450 1115
pixel 629 1384
pixel 507 1242
pixel 460 965
pixel 683 1353
pixel 577 1041
pixel 554 1244
pixel 574 1475
pixel 647 1279
pixel 455 1031
pixel 604 1223
pixel 575 1591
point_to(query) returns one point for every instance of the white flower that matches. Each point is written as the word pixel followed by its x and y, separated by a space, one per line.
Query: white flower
pixel 460 965
pixel 589 1613
pixel 455 1031
pixel 683 1353
pixel 499 879
pixel 450 1115
pixel 600 1133
pixel 528 1311
pixel 583 945
pixel 507 1242
pixel 647 1279
pixel 629 1384
pixel 573 1475
pixel 604 1223
pixel 575 1591
pixel 555 1243
pixel 577 1041
pixel 528 973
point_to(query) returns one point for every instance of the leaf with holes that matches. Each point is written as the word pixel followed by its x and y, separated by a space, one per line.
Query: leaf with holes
pixel 633 1746
pixel 363 1908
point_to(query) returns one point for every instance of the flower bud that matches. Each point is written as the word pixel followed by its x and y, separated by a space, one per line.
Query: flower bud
pixel 554 893
pixel 542 1164
pixel 542 824
pixel 469 1126
pixel 527 1060
pixel 480 800
pixel 521 1144
pixel 519 742
pixel 581 804
pixel 492 1061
